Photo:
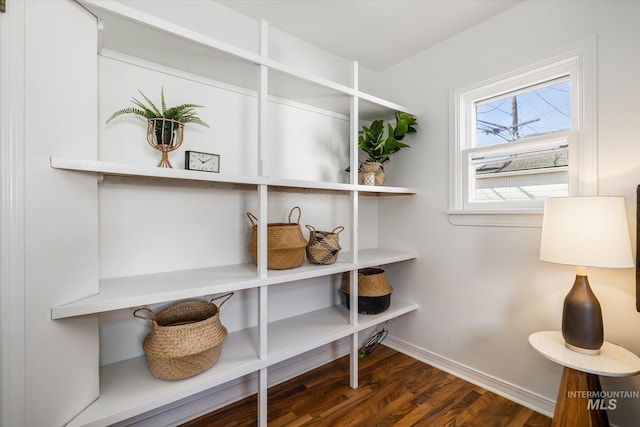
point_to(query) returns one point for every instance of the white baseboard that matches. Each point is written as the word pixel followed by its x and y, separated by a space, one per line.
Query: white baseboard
pixel 496 385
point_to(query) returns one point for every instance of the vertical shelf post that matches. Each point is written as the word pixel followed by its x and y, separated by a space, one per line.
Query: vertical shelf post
pixel 263 320
pixel 353 126
pixel 353 292
pixel 263 96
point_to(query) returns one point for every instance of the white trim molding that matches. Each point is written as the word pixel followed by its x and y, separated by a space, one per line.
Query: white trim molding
pixel 12 216
pixel 581 64
pixel 497 218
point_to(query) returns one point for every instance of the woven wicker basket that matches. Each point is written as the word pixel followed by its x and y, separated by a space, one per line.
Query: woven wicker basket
pixel 373 169
pixel 323 246
pixel 185 339
pixel 374 292
pixel 285 243
pixel 372 282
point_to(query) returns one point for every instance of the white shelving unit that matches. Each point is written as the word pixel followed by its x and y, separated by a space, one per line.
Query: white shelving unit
pixel 127 389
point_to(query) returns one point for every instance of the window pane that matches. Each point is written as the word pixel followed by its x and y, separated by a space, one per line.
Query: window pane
pixel 522 176
pixel 538 110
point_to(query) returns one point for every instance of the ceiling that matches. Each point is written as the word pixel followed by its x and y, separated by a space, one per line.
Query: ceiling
pixel 376 33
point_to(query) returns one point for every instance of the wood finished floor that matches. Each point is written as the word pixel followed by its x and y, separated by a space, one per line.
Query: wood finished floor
pixel 394 390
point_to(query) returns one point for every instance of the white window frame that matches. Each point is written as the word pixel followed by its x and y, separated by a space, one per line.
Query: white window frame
pixel 580 66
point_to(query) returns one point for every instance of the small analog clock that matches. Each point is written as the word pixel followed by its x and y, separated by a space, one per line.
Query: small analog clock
pixel 197 161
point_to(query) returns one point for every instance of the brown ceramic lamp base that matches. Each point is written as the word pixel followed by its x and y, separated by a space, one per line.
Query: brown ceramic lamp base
pixel 582 326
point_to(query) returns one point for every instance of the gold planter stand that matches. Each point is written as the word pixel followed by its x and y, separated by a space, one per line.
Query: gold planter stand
pixel 165 135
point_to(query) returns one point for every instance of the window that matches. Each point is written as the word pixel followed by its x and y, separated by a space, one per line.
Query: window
pixel 521 139
pixel 518 151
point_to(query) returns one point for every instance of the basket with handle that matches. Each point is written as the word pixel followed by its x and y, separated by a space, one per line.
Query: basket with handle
pixel 285 243
pixel 185 339
pixel 374 291
pixel 323 246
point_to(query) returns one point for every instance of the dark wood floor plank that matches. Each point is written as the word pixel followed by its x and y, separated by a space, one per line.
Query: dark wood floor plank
pixel 411 418
pixel 456 413
pixel 502 411
pixel 537 420
pixel 475 413
pixel 341 413
pixel 387 415
pixel 445 396
pixel 394 390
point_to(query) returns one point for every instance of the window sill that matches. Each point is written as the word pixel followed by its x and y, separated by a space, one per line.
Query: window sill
pixel 497 218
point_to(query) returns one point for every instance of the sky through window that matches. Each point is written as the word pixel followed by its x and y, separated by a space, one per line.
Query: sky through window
pixel 540 110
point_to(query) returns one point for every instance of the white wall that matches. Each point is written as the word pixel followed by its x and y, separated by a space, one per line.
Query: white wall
pixel 61 252
pixel 482 290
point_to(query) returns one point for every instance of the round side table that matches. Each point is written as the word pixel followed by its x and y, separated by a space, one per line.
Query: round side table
pixel 580 401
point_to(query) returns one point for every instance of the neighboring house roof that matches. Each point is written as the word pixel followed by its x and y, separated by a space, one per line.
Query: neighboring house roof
pixel 558 157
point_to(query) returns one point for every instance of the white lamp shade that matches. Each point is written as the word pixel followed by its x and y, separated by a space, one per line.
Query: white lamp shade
pixel 586 231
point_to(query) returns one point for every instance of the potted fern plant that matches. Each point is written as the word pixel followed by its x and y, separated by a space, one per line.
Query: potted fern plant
pixel 379 146
pixel 165 126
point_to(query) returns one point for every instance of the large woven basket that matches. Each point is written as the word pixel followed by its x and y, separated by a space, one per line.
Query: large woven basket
pixel 185 339
pixel 323 246
pixel 285 243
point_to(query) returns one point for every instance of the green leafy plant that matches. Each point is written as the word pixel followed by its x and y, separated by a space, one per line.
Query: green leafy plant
pixel 184 113
pixel 378 146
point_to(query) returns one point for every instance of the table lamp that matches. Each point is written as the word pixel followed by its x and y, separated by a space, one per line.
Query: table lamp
pixel 585 232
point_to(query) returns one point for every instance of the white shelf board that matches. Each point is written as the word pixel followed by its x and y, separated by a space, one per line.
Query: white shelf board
pixel 397 308
pixel 380 256
pixel 308 89
pixel 139 290
pixel 165 43
pixel 278 184
pixel 381 190
pixel 373 107
pixel 134 291
pixel 128 389
pixel 284 184
pixel 299 334
pixel 293 336
pixel 308 271
pixel 124 169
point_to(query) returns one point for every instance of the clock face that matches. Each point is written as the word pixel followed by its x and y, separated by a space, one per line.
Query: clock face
pixel 197 161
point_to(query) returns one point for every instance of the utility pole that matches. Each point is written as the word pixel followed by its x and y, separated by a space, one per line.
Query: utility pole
pixel 504 131
pixel 515 127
